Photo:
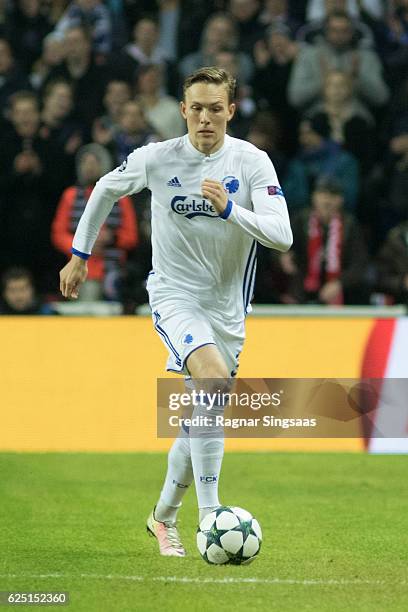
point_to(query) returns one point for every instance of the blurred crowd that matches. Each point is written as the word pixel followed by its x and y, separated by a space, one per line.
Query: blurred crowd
pixel 322 88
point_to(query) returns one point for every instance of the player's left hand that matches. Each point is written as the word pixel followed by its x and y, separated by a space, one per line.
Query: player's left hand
pixel 214 191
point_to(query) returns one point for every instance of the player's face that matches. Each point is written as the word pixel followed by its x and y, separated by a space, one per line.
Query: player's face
pixel 207 112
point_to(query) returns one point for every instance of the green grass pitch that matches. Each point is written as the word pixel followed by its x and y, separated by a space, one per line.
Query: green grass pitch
pixel 335 533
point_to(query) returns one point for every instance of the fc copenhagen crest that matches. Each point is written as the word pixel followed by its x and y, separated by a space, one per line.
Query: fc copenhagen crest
pixel 230 184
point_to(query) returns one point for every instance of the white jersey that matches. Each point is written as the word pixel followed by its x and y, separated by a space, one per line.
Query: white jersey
pixel 195 250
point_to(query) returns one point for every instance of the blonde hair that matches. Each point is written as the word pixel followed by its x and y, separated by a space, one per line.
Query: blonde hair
pixel 212 74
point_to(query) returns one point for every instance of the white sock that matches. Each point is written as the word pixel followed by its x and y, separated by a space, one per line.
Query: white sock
pixel 178 478
pixel 204 511
pixel 207 451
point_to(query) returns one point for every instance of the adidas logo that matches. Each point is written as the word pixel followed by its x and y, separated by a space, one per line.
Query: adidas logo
pixel 174 182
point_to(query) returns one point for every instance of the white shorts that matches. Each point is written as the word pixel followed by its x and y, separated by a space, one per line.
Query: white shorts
pixel 184 326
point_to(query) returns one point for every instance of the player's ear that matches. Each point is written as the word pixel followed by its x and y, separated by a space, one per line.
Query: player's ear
pixel 231 111
pixel 183 109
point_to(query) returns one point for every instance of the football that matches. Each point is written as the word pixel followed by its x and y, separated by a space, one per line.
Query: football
pixel 229 535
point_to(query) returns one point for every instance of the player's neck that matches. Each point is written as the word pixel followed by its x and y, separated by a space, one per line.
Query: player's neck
pixel 210 149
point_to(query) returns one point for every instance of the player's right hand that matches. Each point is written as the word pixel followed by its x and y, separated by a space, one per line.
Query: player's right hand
pixel 72 276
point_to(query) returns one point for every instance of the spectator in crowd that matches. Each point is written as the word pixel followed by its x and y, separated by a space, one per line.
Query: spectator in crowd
pixel 135 10
pixel 170 12
pixel 3 15
pixel 94 15
pixel 118 234
pixel 387 189
pixel 393 41
pixel 54 9
pixel 246 14
pixel 319 9
pixel 351 123
pixel 385 196
pixel 178 19
pixel 337 50
pixel 143 50
pixel 314 30
pixel 328 79
pixel 117 93
pixel 274 60
pixel 31 181
pixel 392 264
pixel 134 131
pixel 87 77
pixel 12 79
pixel 397 199
pixel 219 34
pixel 27 27
pixel 52 56
pixel 57 123
pixel 245 106
pixel 397 24
pixel 396 119
pixel 276 14
pixel 327 263
pixel 319 156
pixel 18 295
pixel 266 134
pixel 160 110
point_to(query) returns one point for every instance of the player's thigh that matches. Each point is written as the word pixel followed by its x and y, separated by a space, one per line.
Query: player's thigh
pixel 207 362
pixel 229 338
pixel 219 360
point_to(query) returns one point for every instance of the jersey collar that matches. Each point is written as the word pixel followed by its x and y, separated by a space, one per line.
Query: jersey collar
pixel 198 155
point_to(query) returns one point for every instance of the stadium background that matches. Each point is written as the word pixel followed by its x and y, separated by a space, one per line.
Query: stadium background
pixel 66 404
pixel 121 43
pixel 80 463
pixel 322 91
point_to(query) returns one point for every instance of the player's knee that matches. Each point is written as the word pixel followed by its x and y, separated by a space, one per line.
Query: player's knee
pixel 219 382
pixel 216 372
pixel 213 378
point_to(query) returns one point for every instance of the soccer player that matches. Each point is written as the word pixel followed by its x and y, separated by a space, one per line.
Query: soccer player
pixel 213 198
